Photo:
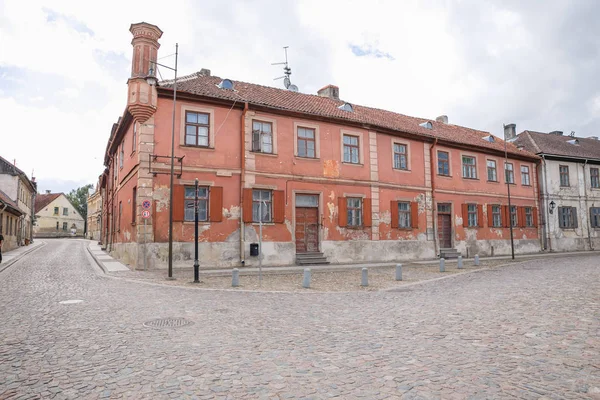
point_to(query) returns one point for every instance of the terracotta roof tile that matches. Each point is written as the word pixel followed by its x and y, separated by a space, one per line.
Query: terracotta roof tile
pixel 544 143
pixel 281 99
pixel 42 200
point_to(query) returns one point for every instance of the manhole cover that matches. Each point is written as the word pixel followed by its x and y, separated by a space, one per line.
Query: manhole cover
pixel 70 301
pixel 168 323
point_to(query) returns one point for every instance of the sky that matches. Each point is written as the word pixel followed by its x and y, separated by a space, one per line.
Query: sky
pixel 64 64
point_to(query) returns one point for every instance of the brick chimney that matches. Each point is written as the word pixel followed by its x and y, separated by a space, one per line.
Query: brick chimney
pixel 443 119
pixel 142 97
pixel 331 91
pixel 510 132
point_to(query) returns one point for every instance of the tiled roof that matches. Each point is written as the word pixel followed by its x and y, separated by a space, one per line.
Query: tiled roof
pixel 10 203
pixel 544 143
pixel 42 200
pixel 282 99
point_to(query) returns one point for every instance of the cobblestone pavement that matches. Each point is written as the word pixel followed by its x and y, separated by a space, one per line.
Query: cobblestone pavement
pixel 527 331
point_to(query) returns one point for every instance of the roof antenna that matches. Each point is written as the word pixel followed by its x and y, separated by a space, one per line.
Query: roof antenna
pixel 287 71
pixel 572 134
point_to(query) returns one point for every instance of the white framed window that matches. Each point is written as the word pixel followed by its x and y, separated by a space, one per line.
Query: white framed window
pixel 525 175
pixel 492 174
pixel 355 212
pixel 404 215
pixel 509 173
pixel 262 205
pixel 400 156
pixel 262 136
pixel 351 149
pixel 469 165
pixel 202 203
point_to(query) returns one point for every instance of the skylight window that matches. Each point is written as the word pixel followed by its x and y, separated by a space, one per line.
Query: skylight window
pixel 346 107
pixel 426 125
pixel 489 138
pixel 573 141
pixel 226 84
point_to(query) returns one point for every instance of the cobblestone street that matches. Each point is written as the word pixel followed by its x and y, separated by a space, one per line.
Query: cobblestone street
pixel 526 331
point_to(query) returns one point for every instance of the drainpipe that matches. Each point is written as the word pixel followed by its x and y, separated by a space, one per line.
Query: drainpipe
pixel 589 227
pixel 242 182
pixel 546 197
pixel 433 207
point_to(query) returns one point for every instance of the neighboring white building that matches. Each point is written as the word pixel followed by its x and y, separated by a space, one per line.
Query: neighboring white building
pixel 57 217
pixel 569 179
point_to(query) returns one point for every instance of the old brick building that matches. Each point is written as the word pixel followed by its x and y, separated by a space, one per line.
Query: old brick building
pixel 352 182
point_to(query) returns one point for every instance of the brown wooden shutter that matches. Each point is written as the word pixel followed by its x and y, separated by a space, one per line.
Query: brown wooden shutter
pixel 215 212
pixel 480 215
pixel 278 206
pixel 414 214
pixel 247 217
pixel 490 218
pixel 394 213
pixel 465 215
pixel 178 203
pixel 521 217
pixel 505 217
pixel 367 213
pixel 534 211
pixel 342 212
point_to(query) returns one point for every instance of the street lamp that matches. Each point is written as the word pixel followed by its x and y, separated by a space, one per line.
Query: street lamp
pixel 510 224
pixel 552 205
pixel 151 79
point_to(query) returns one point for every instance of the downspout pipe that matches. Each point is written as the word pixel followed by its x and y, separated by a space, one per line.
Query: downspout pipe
pixel 433 206
pixel 587 210
pixel 545 198
pixel 242 183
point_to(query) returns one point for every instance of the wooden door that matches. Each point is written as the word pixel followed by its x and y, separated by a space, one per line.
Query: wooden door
pixel 307 229
pixel 445 231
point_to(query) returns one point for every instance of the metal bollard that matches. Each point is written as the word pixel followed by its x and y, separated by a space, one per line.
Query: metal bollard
pixel 460 263
pixel 477 260
pixel 364 281
pixel 398 272
pixel 306 280
pixel 442 265
pixel 235 278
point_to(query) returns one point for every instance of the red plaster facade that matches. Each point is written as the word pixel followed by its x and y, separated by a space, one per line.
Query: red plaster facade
pixel 396 204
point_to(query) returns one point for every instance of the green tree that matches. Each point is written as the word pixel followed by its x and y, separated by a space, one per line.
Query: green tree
pixel 78 197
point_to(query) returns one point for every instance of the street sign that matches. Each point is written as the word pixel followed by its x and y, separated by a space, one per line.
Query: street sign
pixel 145 214
pixel 146 204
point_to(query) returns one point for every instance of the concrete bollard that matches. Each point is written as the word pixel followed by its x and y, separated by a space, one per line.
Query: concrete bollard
pixel 398 272
pixel 306 280
pixel 364 281
pixel 235 278
pixel 477 260
pixel 442 265
pixel 460 263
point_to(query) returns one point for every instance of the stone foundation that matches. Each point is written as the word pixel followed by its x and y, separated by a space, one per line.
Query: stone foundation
pixel 486 248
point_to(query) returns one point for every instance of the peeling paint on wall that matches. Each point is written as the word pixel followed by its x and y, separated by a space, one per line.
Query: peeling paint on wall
pixel 385 217
pixel 161 197
pixel 458 221
pixel 233 213
pixel 331 169
pixel 332 211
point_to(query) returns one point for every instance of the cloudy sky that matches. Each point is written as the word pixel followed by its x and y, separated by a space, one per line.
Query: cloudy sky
pixel 64 64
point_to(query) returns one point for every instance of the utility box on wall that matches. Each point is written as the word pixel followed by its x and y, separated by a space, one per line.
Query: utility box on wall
pixel 254 249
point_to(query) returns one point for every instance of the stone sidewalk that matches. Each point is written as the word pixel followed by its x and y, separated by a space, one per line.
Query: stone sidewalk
pixel 104 260
pixel 11 257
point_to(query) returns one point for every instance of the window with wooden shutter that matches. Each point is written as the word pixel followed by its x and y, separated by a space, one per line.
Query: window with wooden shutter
pixel 247 204
pixel 394 214
pixel 342 212
pixel 278 206
pixel 414 214
pixel 480 215
pixel 216 204
pixel 465 215
pixel 367 214
pixel 178 203
pixel 490 215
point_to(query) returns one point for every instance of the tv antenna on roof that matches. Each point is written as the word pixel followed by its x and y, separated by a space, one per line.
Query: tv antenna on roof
pixel 287 71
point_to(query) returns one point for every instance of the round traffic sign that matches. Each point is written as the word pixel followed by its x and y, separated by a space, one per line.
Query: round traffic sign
pixel 145 214
pixel 146 204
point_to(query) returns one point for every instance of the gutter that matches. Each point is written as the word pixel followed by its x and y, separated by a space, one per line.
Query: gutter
pixel 242 182
pixel 433 206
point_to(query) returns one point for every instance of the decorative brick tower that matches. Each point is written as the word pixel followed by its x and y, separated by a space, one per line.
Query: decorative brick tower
pixel 141 103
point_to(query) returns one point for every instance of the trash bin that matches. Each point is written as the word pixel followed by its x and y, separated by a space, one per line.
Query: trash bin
pixel 253 249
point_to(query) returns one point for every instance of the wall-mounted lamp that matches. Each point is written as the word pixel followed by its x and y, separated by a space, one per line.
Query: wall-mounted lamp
pixel 552 205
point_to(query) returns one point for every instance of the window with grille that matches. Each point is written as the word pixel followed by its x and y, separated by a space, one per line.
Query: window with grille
pixel 469 167
pixel 351 149
pixel 525 175
pixel 567 217
pixel 189 199
pixel 306 142
pixel 564 175
pixel 400 160
pixel 595 178
pixel 491 171
pixel 262 137
pixel 354 211
pixel 197 126
pixel 443 163
pixel 496 216
pixel 262 205
pixel 509 173
pixel 404 215
pixel 472 215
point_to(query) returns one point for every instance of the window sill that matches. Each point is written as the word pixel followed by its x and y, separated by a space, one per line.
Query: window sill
pixel 210 148
pixel 264 154
pixel 526 185
pixel 444 176
pixel 307 158
pixel 199 222
pixel 496 182
pixel 470 179
pixel 356 227
pixel 405 229
pixel 402 170
pixel 264 223
pixel 353 164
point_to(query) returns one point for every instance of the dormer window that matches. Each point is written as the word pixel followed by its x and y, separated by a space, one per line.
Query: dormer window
pixel 426 125
pixel 226 84
pixel 346 107
pixel 489 138
pixel 573 141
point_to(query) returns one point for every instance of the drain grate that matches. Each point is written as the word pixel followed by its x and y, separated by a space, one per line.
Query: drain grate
pixel 168 323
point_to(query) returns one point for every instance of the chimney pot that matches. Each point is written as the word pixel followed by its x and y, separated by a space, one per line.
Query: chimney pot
pixel 204 72
pixel 331 91
pixel 510 131
pixel 47 191
pixel 443 119
pixel 557 133
pixel 145 48
pixel 594 137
